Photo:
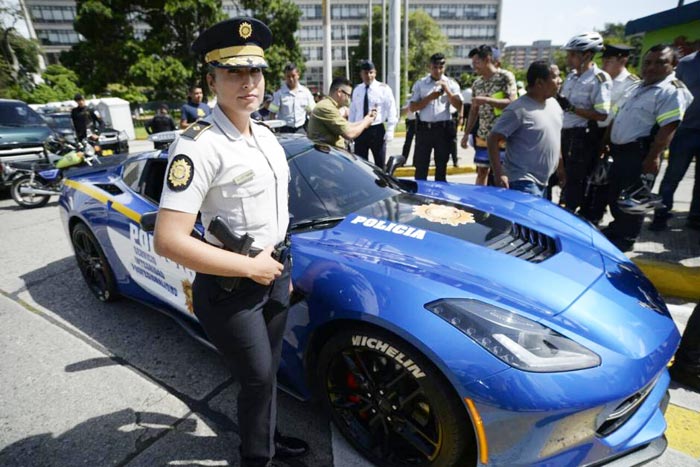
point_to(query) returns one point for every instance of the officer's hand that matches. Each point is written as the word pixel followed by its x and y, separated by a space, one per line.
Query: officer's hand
pixel 564 103
pixel 372 115
pixel 265 269
pixel 651 165
pixel 503 181
pixel 388 136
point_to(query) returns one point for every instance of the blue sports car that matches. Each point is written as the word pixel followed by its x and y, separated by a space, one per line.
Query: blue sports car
pixel 439 324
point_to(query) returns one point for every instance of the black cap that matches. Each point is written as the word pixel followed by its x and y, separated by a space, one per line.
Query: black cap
pixel 78 97
pixel 617 50
pixel 235 43
pixel 367 65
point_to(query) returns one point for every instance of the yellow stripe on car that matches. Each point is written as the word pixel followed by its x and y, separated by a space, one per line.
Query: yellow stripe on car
pixel 105 199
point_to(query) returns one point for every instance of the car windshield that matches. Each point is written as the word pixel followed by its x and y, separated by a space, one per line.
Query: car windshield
pixel 328 184
pixel 18 114
pixel 60 122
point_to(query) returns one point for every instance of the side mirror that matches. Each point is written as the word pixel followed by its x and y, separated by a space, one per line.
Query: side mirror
pixel 148 221
pixel 393 163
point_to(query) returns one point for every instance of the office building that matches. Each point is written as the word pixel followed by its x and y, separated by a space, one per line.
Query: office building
pixel 520 56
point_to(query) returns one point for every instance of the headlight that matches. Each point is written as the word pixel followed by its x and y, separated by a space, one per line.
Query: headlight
pixel 123 136
pixel 517 341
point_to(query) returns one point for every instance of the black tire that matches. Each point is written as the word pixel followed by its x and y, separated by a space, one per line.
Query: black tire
pixel 27 201
pixel 93 264
pixel 395 412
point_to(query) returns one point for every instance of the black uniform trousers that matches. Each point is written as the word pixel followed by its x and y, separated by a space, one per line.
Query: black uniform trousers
pixel 437 136
pixel 247 326
pixel 688 354
pixel 372 138
pixel 580 148
pixel 625 171
pixel 410 133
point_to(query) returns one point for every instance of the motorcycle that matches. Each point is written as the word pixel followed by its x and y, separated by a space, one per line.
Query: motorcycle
pixel 33 183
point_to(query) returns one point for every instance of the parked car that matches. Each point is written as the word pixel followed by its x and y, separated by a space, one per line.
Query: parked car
pixel 439 324
pixel 22 134
pixel 110 141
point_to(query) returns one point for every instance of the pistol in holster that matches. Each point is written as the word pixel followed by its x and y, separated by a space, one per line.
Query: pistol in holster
pixel 231 241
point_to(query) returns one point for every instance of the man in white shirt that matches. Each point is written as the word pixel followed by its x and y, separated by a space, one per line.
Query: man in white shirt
pixel 292 102
pixel 372 94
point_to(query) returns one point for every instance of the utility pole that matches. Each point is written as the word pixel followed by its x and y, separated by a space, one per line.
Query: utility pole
pixel 369 28
pixel 384 41
pixel 327 62
pixel 394 68
pixel 405 50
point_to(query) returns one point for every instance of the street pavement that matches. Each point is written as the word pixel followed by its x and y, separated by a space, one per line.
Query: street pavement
pixel 90 384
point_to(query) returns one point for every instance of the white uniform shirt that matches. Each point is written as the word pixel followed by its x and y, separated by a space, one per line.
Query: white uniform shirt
pixel 437 110
pixel 381 98
pixel 591 90
pixel 661 103
pixel 244 180
pixel 622 84
pixel 292 106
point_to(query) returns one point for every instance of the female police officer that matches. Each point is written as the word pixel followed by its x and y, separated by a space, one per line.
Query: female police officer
pixel 227 165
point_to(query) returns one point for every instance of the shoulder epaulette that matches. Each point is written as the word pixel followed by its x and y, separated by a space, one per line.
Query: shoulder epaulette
pixel 678 83
pixel 262 123
pixel 634 77
pixel 601 77
pixel 196 129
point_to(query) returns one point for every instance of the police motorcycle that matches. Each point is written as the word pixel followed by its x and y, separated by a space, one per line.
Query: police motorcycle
pixel 33 183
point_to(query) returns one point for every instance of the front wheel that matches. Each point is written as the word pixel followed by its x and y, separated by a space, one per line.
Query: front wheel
pixel 93 264
pixel 27 200
pixel 391 403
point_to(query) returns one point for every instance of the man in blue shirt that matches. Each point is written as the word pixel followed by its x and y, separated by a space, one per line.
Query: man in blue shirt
pixel 194 109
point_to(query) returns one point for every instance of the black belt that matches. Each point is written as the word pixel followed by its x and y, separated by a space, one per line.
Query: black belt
pixel 642 144
pixel 440 124
pixel 579 130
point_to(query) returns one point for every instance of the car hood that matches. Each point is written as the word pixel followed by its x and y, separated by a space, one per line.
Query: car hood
pixel 513 254
pixel 26 135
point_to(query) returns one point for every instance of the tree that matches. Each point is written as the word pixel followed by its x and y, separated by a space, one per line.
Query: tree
pixel 163 78
pixel 109 47
pixel 614 33
pixel 282 17
pixel 424 39
pixel 18 56
pixel 174 26
pixel 60 84
pixel 132 94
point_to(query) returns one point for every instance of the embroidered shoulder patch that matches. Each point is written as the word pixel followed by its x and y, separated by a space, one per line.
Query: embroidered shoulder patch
pixel 196 129
pixel 601 77
pixel 180 173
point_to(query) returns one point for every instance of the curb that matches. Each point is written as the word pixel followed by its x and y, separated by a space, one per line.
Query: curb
pixel 411 171
pixel 672 280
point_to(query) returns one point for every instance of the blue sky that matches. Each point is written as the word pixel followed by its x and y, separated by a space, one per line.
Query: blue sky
pixel 525 21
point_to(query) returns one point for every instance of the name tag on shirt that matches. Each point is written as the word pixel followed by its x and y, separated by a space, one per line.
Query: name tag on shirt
pixel 244 177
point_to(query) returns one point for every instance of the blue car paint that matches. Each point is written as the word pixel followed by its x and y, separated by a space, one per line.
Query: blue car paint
pixel 384 280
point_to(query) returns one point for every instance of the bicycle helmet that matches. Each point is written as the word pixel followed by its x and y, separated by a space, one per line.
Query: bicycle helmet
pixel 637 199
pixel 599 176
pixel 584 42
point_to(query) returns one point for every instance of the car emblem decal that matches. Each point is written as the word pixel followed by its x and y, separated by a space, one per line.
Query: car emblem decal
pixel 443 214
pixel 180 173
pixel 245 30
pixel 187 290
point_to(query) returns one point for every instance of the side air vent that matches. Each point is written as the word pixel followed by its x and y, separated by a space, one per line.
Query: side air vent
pixel 624 410
pixel 525 243
pixel 109 188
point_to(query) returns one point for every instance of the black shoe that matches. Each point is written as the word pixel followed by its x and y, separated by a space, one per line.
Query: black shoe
pixel 658 225
pixel 287 446
pixel 685 377
pixel 693 223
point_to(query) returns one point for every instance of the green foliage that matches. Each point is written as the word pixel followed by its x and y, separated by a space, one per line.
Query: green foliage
pixel 18 60
pixel 614 33
pixel 132 94
pixel 162 78
pixel 60 84
pixel 174 26
pixel 282 17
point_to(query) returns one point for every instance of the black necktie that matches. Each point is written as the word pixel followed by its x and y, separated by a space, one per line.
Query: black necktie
pixel 365 107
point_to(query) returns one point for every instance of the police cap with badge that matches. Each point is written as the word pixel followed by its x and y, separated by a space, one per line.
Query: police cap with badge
pixel 617 50
pixel 234 43
pixel 367 65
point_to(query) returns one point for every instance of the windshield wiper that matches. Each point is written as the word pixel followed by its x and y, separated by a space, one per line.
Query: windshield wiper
pixel 321 221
